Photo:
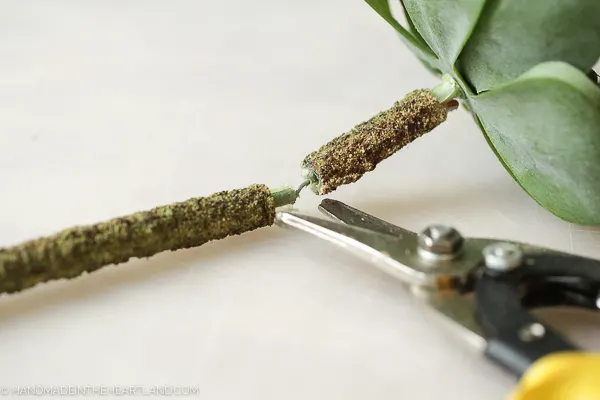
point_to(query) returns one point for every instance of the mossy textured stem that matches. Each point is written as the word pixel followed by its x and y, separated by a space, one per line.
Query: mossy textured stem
pixel 347 158
pixel 191 223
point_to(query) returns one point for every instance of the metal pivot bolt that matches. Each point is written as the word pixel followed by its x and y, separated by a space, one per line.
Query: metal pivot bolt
pixel 439 242
pixel 502 256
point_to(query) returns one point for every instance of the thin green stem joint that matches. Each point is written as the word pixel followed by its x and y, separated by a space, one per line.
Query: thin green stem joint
pixel 284 196
pixel 446 90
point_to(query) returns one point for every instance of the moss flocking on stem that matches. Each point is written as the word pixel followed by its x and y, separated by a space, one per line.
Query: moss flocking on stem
pixel 80 249
pixel 348 157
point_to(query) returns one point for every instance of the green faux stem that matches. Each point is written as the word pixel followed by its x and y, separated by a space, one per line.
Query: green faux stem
pixel 284 196
pixel 446 90
pixel 348 157
pixel 80 249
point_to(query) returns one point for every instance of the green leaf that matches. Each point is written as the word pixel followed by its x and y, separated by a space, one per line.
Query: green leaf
pixel 415 43
pixel 513 36
pixel 444 24
pixel 412 28
pixel 545 127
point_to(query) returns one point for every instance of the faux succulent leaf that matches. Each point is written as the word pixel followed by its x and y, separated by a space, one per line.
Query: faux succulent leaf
pixel 545 126
pixel 523 69
pixel 444 24
pixel 412 28
pixel 513 36
pixel 415 43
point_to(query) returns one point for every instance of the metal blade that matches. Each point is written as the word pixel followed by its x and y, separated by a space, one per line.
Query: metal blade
pixel 350 215
pixel 385 251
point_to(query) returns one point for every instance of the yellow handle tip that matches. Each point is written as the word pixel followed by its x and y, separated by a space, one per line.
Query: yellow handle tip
pixel 561 376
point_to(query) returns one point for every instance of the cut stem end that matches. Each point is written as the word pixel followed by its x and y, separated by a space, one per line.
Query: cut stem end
pixel 285 195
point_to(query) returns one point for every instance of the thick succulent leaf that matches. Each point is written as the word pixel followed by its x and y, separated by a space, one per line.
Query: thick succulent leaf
pixel 545 127
pixel 415 43
pixel 444 24
pixel 513 36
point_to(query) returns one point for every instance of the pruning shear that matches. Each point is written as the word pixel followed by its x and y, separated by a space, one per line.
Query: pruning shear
pixel 485 288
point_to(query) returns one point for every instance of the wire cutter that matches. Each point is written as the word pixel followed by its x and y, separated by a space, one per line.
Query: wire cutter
pixel 484 288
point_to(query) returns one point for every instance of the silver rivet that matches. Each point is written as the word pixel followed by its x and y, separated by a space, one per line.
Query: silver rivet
pixel 531 332
pixel 439 241
pixel 502 256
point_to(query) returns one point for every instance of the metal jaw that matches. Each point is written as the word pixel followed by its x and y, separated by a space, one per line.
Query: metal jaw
pixel 434 264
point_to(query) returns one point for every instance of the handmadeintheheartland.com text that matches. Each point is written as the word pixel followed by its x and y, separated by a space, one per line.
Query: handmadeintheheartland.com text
pixel 99 390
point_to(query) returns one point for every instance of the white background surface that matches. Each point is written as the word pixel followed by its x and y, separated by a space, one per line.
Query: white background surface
pixel 109 107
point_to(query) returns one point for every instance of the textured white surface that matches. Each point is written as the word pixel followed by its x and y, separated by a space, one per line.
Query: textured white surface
pixel 109 107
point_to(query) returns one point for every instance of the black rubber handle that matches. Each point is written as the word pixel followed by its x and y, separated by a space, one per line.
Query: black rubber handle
pixel 515 338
